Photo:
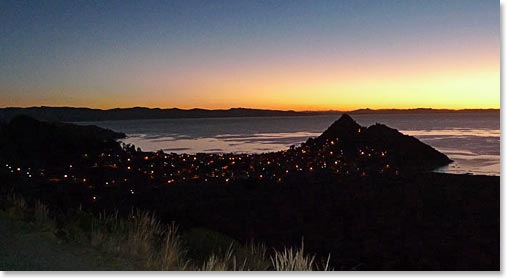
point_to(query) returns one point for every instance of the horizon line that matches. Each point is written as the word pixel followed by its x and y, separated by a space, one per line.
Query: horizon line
pixel 249 108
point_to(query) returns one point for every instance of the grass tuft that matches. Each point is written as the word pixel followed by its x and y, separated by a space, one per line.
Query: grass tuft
pixel 42 218
pixel 16 206
pixel 293 260
pixel 255 257
pixel 171 255
pixel 227 262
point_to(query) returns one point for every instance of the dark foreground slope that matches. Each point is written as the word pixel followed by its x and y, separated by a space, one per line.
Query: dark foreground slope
pixel 23 247
pixel 403 220
pixel 424 222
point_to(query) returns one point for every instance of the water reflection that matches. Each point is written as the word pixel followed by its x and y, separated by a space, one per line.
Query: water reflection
pixel 472 140
pixel 465 147
pixel 473 151
pixel 236 143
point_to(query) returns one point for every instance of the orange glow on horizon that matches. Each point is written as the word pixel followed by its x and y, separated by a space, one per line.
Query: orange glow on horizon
pixel 468 80
pixel 282 55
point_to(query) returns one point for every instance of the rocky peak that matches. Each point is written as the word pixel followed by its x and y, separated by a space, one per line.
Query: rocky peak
pixel 344 128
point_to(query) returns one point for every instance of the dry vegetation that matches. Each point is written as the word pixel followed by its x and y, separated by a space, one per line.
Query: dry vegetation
pixel 144 241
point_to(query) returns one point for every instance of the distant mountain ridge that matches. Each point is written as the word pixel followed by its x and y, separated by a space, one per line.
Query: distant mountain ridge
pixel 78 114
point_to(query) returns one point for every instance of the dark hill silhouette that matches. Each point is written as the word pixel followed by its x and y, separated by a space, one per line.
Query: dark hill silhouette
pixel 404 151
pixel 26 140
pixel 409 151
pixel 344 128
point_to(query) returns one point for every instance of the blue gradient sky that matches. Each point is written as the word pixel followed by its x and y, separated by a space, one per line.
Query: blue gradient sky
pixel 264 54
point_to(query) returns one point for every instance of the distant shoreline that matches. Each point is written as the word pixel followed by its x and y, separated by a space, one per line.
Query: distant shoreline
pixel 81 114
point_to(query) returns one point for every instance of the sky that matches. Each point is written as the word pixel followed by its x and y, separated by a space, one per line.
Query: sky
pixel 290 55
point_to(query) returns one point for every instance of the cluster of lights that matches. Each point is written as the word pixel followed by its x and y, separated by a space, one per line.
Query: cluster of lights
pixel 171 168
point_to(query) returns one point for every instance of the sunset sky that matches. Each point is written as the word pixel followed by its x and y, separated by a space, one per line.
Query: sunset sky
pixel 297 54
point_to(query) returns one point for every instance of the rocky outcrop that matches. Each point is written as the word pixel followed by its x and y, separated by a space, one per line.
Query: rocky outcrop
pixel 405 152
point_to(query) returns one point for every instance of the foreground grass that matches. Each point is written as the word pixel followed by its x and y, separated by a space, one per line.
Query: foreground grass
pixel 138 241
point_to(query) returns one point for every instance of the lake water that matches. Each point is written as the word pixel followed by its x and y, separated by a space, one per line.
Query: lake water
pixel 472 140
